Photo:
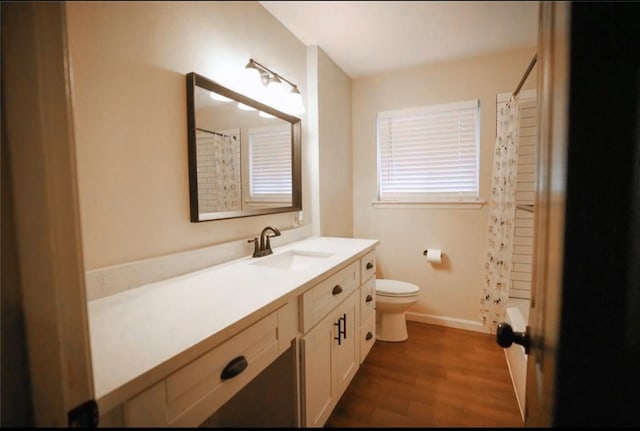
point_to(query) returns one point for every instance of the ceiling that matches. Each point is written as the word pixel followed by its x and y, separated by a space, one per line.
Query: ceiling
pixel 370 37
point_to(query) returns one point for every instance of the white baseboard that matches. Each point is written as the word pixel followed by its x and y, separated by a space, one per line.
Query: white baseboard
pixel 450 322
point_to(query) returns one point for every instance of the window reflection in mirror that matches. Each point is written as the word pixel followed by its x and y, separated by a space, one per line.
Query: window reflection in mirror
pixel 244 156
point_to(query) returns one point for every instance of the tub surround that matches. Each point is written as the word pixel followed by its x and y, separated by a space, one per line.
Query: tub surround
pixel 517 315
pixel 141 335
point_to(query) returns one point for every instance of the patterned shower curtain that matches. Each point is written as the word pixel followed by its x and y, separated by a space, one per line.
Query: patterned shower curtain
pixel 227 173
pixel 502 207
pixel 218 171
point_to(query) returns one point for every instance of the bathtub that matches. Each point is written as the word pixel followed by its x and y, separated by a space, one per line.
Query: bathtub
pixel 517 315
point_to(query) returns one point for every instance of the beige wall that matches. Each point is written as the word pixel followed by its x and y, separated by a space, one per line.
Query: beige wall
pixel 450 291
pixel 128 61
pixel 128 65
pixel 335 149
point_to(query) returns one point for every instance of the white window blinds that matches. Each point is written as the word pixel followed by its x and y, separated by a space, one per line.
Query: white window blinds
pixel 429 154
pixel 270 162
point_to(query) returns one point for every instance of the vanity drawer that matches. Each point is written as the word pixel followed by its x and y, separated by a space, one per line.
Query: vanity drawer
pixel 368 266
pixel 367 336
pixel 190 395
pixel 326 295
pixel 367 299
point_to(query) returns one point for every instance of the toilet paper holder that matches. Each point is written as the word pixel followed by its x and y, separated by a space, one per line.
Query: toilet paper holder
pixel 434 256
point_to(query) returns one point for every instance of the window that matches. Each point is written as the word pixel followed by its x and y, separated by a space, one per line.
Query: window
pixel 429 154
pixel 270 163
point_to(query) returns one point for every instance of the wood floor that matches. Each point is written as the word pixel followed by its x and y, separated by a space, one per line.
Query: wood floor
pixel 439 377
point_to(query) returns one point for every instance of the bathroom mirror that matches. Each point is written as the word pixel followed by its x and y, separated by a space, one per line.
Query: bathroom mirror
pixel 244 156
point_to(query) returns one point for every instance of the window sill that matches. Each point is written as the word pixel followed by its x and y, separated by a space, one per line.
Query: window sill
pixel 470 204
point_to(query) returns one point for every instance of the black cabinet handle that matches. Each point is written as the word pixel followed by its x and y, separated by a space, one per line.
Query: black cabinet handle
pixel 368 336
pixel 337 289
pixel 369 298
pixel 233 368
pixel 369 265
pixel 342 329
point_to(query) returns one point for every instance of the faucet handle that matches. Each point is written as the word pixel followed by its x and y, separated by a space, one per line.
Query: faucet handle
pixel 255 246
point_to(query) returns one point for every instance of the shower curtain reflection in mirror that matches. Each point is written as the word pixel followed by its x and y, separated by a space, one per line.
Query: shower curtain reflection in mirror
pixel 218 173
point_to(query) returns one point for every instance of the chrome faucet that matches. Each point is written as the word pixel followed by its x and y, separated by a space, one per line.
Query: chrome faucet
pixel 263 246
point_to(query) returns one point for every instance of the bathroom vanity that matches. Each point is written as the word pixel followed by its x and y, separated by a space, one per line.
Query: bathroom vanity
pixel 171 353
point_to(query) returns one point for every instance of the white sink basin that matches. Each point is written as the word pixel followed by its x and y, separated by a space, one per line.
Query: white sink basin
pixel 292 259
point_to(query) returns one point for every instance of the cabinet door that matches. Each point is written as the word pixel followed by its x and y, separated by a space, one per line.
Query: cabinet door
pixel 347 357
pixel 330 360
pixel 318 357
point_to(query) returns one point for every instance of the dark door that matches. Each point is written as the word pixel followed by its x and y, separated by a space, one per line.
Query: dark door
pixel 584 360
pixel 544 315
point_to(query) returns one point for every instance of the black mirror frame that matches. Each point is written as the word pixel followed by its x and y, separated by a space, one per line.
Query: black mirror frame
pixel 193 80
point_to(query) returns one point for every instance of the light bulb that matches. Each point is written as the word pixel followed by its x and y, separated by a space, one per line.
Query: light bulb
pixel 252 70
pixel 294 102
pixel 275 86
pixel 252 76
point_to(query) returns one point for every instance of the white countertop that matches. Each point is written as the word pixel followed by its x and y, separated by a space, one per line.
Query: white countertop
pixel 142 335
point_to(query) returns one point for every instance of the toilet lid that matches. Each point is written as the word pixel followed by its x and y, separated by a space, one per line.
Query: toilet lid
pixel 395 287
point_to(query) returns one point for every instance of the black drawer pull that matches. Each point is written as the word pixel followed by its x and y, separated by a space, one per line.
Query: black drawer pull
pixel 337 289
pixel 369 336
pixel 369 298
pixel 369 265
pixel 234 368
pixel 344 330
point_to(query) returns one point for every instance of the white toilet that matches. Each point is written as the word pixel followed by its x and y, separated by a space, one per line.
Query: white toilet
pixel 393 297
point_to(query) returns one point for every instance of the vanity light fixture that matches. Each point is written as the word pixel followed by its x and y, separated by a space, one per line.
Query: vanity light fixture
pixel 254 72
pixel 295 101
pixel 275 84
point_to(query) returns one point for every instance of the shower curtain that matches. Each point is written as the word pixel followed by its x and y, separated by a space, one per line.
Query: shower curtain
pixel 502 206
pixel 218 171
pixel 227 173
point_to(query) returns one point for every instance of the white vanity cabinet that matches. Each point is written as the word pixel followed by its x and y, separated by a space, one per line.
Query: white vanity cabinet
pixel 190 395
pixel 200 339
pixel 335 341
pixel 367 327
pixel 330 360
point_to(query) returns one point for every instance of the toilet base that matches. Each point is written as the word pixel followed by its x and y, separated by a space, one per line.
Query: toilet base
pixel 391 327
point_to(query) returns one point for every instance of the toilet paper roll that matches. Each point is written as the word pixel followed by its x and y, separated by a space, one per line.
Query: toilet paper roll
pixel 434 255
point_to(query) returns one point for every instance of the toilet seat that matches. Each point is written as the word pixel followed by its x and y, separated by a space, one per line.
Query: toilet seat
pixel 395 288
